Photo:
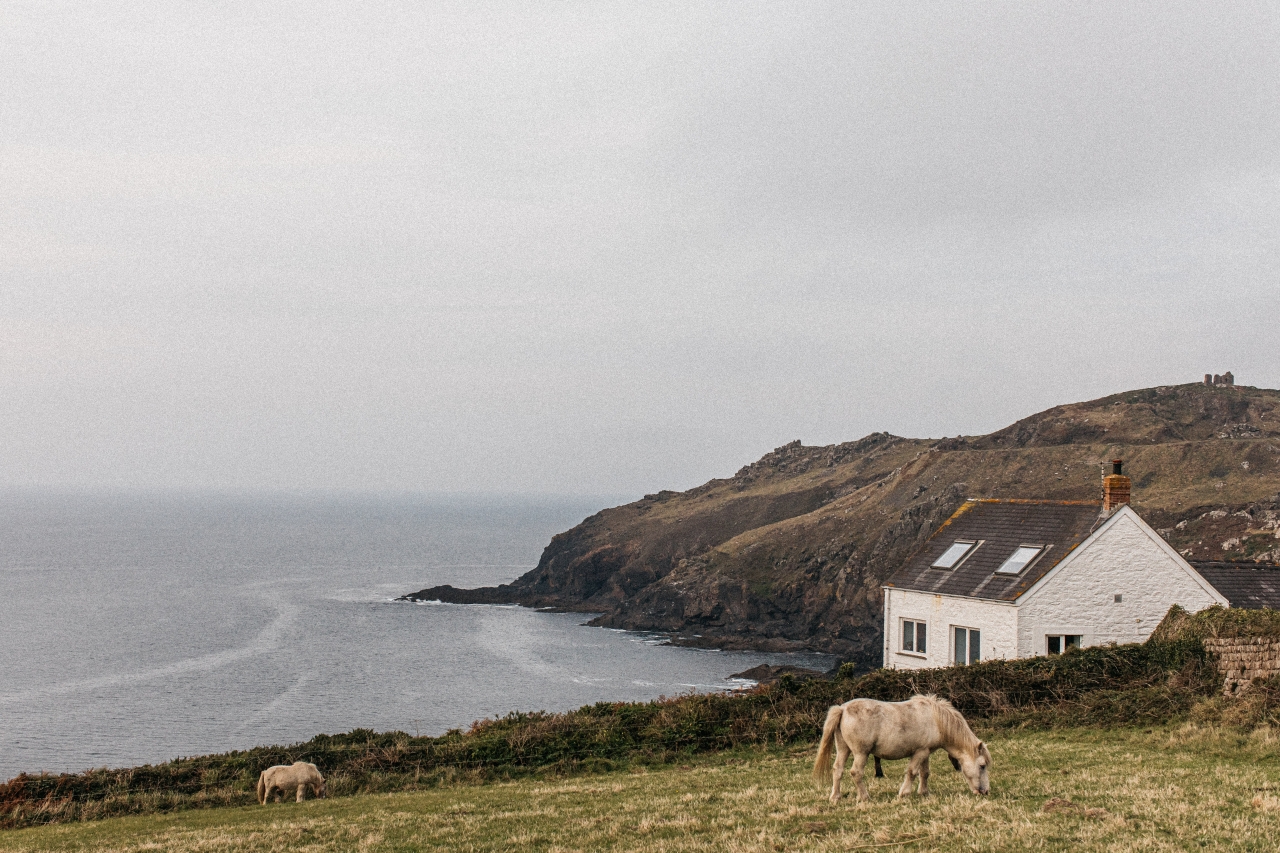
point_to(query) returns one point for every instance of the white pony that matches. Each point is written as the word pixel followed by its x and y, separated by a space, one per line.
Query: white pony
pixel 914 728
pixel 284 779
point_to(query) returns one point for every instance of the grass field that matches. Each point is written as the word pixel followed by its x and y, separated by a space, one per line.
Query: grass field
pixel 1181 788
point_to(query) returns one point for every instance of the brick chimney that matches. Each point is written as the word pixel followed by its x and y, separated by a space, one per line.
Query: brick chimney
pixel 1115 488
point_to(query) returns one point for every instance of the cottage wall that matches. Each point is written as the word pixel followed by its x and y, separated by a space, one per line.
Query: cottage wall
pixel 1125 558
pixel 998 622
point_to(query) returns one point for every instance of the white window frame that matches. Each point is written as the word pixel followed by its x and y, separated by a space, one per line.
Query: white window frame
pixel 902 633
pixel 974 545
pixel 1041 550
pixel 968 647
pixel 1062 636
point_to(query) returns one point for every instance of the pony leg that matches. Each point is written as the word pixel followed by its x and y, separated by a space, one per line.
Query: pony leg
pixel 905 788
pixel 923 790
pixel 837 775
pixel 302 793
pixel 859 764
pixel 879 769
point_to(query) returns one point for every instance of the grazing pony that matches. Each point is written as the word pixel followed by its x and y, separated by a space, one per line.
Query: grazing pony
pixel 913 728
pixel 283 779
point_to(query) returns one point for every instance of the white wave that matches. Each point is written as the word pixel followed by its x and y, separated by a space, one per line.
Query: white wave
pixel 741 683
pixel 265 641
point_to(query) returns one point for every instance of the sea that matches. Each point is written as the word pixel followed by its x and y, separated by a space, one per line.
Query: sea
pixel 141 628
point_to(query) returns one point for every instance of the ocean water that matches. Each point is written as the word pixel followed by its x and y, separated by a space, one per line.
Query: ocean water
pixel 139 629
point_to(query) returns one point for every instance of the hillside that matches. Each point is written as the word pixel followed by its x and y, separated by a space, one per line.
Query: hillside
pixel 790 552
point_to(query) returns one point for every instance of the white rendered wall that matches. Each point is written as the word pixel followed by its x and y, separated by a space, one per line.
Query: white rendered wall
pixel 1078 597
pixel 998 622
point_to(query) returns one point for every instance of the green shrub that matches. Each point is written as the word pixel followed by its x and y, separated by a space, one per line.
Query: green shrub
pixel 1217 621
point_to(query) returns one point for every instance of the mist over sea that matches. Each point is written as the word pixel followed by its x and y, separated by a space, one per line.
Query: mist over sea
pixel 139 629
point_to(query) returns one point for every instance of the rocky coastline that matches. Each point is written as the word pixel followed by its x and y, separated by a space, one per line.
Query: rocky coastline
pixel 789 553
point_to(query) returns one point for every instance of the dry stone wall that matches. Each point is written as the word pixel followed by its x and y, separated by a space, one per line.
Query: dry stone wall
pixel 1242 659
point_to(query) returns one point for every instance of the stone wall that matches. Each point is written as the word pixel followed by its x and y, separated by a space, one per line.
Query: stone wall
pixel 1242 659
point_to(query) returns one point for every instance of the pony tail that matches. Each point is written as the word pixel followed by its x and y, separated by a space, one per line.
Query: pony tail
pixel 822 764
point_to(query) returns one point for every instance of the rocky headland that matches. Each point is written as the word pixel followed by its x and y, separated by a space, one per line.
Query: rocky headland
pixel 790 552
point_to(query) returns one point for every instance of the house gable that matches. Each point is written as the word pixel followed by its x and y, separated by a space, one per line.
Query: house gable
pixel 1122 515
pixel 1115 587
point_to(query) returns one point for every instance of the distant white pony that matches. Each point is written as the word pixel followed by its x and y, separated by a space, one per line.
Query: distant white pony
pixel 914 728
pixel 284 779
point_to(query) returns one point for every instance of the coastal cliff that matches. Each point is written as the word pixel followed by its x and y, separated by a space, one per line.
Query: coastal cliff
pixel 790 552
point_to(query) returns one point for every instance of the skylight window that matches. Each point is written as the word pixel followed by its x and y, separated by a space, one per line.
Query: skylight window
pixel 952 556
pixel 1021 557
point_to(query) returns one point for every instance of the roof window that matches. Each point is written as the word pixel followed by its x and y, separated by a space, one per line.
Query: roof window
pixel 952 556
pixel 1020 560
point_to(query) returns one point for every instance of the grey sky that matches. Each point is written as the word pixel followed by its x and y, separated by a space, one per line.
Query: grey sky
pixel 597 248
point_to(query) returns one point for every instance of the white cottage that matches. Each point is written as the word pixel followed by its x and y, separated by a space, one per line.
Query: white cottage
pixel 1017 578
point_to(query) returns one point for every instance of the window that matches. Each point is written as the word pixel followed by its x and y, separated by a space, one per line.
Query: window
pixel 1020 559
pixel 968 645
pixel 914 636
pixel 952 556
pixel 1056 644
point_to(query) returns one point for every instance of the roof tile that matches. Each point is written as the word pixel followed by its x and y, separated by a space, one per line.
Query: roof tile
pixel 1251 586
pixel 1001 526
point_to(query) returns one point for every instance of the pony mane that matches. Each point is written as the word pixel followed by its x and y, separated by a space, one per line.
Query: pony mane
pixel 952 723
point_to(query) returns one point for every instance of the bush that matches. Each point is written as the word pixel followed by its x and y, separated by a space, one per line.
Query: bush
pixel 1216 621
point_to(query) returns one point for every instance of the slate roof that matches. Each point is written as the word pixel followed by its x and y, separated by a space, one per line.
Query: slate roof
pixel 1001 526
pixel 1251 586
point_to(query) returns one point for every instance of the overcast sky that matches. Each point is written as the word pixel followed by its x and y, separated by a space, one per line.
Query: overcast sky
pixel 609 249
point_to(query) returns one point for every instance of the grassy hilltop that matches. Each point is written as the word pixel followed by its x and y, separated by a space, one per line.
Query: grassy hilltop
pixel 790 552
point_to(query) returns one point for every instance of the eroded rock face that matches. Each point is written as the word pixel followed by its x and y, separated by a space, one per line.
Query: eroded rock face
pixel 790 552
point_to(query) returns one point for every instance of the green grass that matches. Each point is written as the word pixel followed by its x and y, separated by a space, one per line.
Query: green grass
pixel 1166 788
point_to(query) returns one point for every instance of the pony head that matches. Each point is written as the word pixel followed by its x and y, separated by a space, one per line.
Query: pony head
pixel 973 765
pixel 322 790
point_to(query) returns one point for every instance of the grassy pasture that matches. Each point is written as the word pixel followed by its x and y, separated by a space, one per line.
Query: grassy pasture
pixel 1184 787
pixel 1136 685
